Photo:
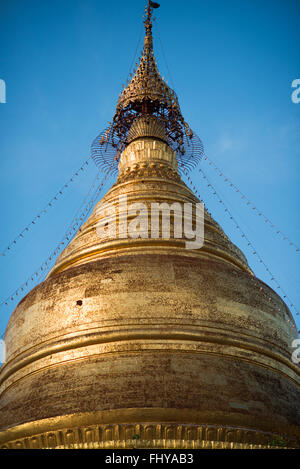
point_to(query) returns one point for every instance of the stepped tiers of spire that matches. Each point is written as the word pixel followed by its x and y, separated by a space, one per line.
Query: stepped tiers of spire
pixel 143 343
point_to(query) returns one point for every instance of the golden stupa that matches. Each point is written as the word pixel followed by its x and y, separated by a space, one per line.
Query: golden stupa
pixel 140 342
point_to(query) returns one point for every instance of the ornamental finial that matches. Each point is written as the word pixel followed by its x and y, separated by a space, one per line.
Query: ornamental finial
pixel 148 21
pixel 147 96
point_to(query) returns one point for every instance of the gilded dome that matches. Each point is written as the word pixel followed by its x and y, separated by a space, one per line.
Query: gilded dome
pixel 145 337
pixel 141 341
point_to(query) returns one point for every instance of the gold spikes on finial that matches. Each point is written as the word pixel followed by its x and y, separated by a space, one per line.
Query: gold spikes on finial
pixel 148 11
pixel 147 96
pixel 146 83
pixel 148 42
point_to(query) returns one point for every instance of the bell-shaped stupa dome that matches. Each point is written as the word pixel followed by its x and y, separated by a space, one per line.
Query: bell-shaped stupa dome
pixel 136 338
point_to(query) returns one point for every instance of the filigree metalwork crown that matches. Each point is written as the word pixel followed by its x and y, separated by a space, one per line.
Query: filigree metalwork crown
pixel 147 95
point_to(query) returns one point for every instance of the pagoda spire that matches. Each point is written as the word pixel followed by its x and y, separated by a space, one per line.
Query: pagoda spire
pixel 148 41
pixel 148 95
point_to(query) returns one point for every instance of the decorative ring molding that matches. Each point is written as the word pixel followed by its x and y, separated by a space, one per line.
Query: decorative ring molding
pixel 148 435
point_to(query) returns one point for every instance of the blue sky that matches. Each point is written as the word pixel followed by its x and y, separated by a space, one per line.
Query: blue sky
pixel 231 63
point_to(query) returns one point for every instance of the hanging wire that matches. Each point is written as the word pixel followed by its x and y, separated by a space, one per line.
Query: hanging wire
pixel 77 217
pixel 50 204
pixel 250 204
pixel 70 233
pixel 252 277
pixel 250 244
pixel 73 228
pixel 131 70
pixel 82 214
pixel 164 56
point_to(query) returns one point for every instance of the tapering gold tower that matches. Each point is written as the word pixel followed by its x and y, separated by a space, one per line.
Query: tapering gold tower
pixel 142 342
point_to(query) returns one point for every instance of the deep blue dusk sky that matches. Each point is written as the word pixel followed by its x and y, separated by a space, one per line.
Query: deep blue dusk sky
pixel 232 63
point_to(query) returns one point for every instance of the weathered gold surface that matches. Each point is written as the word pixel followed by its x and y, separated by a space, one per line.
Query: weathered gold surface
pixel 180 347
pixel 148 173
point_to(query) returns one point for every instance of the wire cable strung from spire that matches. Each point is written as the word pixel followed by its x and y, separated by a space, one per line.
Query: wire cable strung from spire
pixel 164 55
pixel 250 244
pixel 289 319
pixel 250 204
pixel 147 96
pixel 75 225
pixel 81 215
pixel 46 265
pixel 50 204
pixel 131 69
pixel 90 195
